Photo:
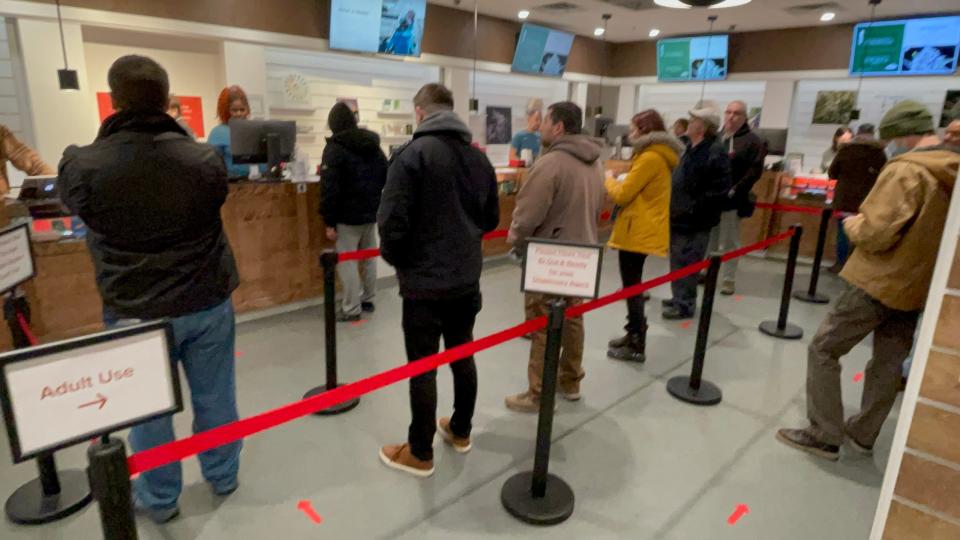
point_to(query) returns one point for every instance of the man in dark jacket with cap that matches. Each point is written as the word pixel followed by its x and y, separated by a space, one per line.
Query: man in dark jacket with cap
pixel 150 197
pixel 440 198
pixel 353 173
pixel 855 168
pixel 747 152
pixel 698 195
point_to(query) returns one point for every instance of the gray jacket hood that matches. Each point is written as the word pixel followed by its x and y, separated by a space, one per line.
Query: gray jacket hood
pixel 658 137
pixel 444 121
pixel 582 147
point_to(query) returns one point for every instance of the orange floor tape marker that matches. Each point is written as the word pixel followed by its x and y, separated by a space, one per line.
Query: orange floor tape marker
pixel 858 377
pixel 740 511
pixel 307 508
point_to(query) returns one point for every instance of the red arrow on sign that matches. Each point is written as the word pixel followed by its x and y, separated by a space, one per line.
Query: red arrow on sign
pixel 101 400
pixel 741 511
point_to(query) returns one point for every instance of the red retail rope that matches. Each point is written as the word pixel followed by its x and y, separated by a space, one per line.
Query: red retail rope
pixel 177 450
pixel 25 326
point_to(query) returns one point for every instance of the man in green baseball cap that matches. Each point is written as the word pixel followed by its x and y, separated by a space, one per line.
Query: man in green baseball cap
pixel 897 236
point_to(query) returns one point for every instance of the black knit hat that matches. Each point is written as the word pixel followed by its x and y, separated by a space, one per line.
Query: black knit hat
pixel 341 118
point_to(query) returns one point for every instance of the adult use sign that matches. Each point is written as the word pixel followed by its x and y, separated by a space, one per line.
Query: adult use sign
pixel 561 269
pixel 57 395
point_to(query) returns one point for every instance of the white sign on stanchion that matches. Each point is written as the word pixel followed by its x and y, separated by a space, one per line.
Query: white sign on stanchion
pixel 16 257
pixel 57 395
pixel 562 269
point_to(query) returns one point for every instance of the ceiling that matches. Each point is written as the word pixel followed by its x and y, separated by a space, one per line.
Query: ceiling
pixel 633 19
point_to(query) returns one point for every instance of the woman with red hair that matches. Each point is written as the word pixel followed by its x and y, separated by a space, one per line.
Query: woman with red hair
pixel 231 104
pixel 643 224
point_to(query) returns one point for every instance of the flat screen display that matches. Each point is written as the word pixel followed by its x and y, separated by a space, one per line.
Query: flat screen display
pixel 700 58
pixel 378 26
pixel 925 46
pixel 542 51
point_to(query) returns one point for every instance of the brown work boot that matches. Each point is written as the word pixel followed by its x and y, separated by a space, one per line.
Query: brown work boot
pixel 461 444
pixel 399 457
pixel 526 402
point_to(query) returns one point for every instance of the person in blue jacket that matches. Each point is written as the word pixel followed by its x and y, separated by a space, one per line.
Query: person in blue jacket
pixel 231 104
pixel 402 41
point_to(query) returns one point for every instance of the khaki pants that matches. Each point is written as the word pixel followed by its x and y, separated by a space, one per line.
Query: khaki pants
pixel 571 348
pixel 854 317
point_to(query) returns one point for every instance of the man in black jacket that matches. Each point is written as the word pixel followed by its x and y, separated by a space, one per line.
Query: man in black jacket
pixel 150 197
pixel 353 172
pixel 440 198
pixel 747 152
pixel 699 194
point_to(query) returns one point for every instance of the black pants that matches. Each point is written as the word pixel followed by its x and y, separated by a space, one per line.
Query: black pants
pixel 631 272
pixel 686 248
pixel 424 323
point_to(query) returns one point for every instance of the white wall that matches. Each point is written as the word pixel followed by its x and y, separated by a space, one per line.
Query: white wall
pixel 674 100
pixel 514 91
pixel 191 73
pixel 876 97
pixel 59 118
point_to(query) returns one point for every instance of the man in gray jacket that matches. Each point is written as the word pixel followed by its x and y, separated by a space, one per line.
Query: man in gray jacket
pixel 561 200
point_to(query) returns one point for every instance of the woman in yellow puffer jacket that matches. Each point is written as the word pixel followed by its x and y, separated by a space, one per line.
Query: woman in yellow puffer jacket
pixel 643 223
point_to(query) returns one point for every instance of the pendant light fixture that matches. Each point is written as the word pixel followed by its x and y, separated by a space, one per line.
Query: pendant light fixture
pixel 68 77
pixel 703 86
pixel 855 113
pixel 603 71
pixel 474 102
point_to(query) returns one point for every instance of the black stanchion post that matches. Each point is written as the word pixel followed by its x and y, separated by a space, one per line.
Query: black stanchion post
pixel 810 295
pixel 780 328
pixel 539 497
pixel 110 482
pixel 52 495
pixel 694 389
pixel 328 259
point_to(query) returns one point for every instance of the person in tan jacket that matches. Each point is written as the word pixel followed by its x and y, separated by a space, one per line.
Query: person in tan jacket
pixel 21 156
pixel 897 237
pixel 560 200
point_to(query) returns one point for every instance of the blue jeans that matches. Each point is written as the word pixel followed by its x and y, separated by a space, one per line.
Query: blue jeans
pixel 204 346
pixel 686 248
pixel 843 244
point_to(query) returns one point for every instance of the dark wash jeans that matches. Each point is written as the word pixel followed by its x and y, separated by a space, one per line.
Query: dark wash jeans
pixel 424 323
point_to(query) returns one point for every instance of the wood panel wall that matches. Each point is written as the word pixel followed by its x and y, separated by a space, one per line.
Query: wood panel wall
pixel 449 32
pixel 926 500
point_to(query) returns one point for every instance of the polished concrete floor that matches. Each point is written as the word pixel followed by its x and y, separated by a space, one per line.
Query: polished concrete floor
pixel 643 465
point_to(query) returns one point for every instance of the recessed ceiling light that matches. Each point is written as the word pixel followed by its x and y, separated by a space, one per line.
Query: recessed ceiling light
pixel 654 32
pixel 682 4
pixel 523 14
pixel 598 31
pixel 828 16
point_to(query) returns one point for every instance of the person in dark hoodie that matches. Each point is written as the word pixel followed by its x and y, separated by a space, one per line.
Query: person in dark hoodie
pixel 897 232
pixel 353 173
pixel 560 200
pixel 747 152
pixel 440 198
pixel 150 197
pixel 699 193
pixel 855 168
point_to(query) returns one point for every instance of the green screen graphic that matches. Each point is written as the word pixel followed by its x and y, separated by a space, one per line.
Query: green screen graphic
pixel 878 48
pixel 673 60
pixel 531 48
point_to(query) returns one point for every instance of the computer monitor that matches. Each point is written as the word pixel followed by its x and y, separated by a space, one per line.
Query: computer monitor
pixel 776 140
pixel 263 141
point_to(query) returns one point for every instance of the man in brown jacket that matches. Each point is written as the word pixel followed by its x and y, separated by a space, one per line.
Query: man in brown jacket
pixel 22 156
pixel 897 236
pixel 560 200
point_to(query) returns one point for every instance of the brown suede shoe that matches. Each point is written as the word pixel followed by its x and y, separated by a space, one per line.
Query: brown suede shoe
pixel 461 444
pixel 399 457
pixel 525 403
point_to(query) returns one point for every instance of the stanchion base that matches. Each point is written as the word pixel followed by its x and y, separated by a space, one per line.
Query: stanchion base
pixel 816 298
pixel 553 508
pixel 29 506
pixel 792 331
pixel 707 394
pixel 336 409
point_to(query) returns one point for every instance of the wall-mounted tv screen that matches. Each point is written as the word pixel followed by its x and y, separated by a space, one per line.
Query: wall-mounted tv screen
pixel 927 46
pixel 384 26
pixel 700 58
pixel 542 50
